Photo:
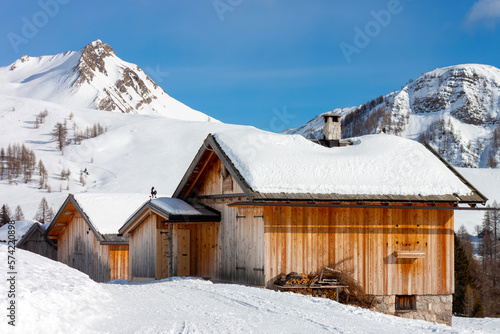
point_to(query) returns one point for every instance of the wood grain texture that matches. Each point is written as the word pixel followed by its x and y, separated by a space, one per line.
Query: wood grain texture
pixel 79 248
pixel 142 245
pixel 363 243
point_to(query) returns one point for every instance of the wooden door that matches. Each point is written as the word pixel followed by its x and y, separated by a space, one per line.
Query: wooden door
pixel 250 246
pixel 183 252
pixel 162 255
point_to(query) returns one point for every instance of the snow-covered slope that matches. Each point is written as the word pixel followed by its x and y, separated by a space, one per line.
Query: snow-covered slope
pixel 93 77
pixel 54 298
pixel 456 109
pixel 134 154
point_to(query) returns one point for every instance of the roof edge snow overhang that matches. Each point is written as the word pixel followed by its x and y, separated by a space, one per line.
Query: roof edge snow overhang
pixel 409 206
pixel 477 197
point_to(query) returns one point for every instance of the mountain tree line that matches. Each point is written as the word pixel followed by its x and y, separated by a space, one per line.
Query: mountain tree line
pixel 89 132
pixel 40 118
pixel 15 161
pixel 477 274
pixel 61 135
pixel 495 148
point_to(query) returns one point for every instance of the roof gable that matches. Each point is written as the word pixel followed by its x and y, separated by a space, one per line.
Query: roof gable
pixel 103 213
pixel 34 228
pixel 204 160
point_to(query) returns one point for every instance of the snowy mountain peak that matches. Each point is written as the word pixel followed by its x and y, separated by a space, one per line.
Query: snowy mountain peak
pixel 92 59
pixel 455 108
pixel 95 78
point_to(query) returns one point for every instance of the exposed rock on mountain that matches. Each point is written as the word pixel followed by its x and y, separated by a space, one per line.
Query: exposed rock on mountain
pixel 93 77
pixel 456 109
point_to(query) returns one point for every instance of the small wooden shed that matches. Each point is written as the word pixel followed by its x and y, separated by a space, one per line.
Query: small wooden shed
pixel 30 236
pixel 169 237
pixel 85 230
pixel 37 242
pixel 380 210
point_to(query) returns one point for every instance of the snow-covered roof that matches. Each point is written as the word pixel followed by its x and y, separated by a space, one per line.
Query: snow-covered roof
pixel 108 212
pixel 21 228
pixel 374 165
pixel 174 206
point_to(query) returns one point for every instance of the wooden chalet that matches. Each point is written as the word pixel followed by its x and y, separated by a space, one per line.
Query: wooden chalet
pixel 398 246
pixel 169 237
pixel 85 230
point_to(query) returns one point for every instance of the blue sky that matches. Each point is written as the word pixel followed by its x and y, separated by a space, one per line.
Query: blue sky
pixel 273 64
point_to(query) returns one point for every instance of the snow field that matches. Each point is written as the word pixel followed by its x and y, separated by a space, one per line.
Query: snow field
pixel 53 298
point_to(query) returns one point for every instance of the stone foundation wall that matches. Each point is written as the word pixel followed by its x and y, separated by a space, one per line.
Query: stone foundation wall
pixel 435 308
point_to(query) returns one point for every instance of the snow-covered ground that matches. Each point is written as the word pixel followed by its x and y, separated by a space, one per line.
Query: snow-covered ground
pixel 53 298
pixel 136 153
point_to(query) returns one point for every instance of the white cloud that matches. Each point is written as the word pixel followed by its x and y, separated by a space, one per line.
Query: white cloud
pixel 484 11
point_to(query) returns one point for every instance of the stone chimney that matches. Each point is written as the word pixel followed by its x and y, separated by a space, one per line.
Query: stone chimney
pixel 331 130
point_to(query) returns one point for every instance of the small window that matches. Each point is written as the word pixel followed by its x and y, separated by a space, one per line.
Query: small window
pixel 405 303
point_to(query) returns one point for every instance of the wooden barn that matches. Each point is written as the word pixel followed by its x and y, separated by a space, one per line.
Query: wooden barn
pixel 85 230
pixel 169 237
pixel 30 236
pixel 379 208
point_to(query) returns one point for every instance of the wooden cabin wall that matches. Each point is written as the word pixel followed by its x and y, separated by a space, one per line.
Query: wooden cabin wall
pixel 362 243
pixel 204 248
pixel 39 245
pixel 119 262
pixel 142 245
pixel 241 243
pixel 217 181
pixel 78 247
pixel 240 255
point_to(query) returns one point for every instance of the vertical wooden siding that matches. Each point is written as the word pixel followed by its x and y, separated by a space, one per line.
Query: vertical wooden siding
pixel 78 247
pixel 240 255
pixel 362 243
pixel 203 246
pixel 142 244
pixel 39 245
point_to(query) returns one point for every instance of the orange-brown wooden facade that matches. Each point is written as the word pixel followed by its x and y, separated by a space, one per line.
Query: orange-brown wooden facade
pixel 363 243
pixel 360 241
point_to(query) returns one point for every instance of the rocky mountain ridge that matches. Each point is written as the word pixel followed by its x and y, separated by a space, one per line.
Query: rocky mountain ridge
pixel 93 77
pixel 456 109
